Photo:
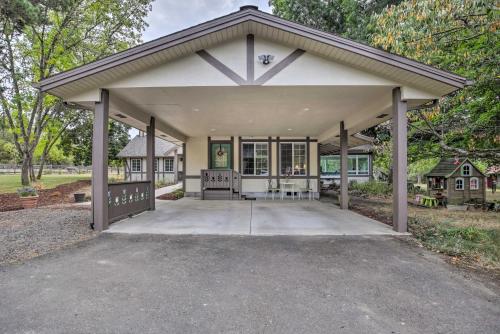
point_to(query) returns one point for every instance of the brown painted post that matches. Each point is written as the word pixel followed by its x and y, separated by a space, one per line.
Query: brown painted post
pixel 399 162
pixel 176 167
pixel 344 196
pixel 184 171
pixel 150 169
pixel 100 163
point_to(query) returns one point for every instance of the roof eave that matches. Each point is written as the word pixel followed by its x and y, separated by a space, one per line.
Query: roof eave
pixel 258 17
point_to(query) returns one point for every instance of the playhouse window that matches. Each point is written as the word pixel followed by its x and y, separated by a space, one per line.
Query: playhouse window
pixel 466 170
pixel 459 184
pixel 474 183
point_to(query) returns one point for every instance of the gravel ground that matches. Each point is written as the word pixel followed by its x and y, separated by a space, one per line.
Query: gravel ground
pixel 30 233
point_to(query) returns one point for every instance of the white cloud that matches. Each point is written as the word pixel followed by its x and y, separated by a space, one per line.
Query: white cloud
pixel 169 16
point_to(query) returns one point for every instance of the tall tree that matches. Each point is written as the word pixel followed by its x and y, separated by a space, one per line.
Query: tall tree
pixel 39 38
pixel 348 18
pixel 460 36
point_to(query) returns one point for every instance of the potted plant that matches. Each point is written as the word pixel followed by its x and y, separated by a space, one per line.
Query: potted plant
pixel 28 197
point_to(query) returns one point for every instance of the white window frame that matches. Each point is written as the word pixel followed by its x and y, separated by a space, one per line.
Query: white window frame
pixel 254 158
pixel 456 183
pixel 135 170
pixel 293 157
pixel 157 163
pixel 476 187
pixel 167 170
pixel 463 167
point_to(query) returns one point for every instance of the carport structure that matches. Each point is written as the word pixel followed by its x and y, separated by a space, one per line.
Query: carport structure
pixel 253 94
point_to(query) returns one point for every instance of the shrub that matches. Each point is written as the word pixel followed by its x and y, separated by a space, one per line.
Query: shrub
pixel 371 188
pixel 27 192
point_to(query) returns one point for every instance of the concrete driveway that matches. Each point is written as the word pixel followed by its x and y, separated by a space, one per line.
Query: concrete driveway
pixel 194 216
pixel 121 283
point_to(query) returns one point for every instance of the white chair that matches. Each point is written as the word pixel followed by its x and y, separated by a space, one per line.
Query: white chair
pixel 307 189
pixel 287 187
pixel 270 188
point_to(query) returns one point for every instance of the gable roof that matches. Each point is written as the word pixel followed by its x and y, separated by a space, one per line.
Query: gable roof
pixel 136 148
pixel 447 166
pixel 249 20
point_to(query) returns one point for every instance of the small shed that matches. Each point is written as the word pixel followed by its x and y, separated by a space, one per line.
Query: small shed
pixel 458 180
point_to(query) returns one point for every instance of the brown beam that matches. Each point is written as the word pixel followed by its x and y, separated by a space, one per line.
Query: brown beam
pixel 100 163
pixel 399 162
pixel 344 195
pixel 150 169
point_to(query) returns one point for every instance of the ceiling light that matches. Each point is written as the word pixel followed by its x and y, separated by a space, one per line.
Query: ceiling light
pixel 196 109
pixel 290 129
pixel 212 130
pixel 306 109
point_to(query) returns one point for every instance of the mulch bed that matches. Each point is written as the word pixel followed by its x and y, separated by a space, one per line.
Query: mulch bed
pixel 58 195
pixel 168 197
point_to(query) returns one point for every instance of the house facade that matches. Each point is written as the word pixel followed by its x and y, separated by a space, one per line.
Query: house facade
pixel 168 161
pixel 255 96
pixel 458 180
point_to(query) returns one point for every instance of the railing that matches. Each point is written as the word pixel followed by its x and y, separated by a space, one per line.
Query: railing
pixel 127 198
pixel 224 182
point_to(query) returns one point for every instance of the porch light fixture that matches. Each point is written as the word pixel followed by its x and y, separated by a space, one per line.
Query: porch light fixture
pixel 121 116
pixel 306 109
pixel 382 115
pixel 212 130
pixel 266 59
pixel 290 129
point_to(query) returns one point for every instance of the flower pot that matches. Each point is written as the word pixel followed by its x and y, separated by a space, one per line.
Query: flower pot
pixel 29 202
pixel 79 197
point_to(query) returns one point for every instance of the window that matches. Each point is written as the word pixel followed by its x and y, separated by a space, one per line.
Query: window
pixel 293 159
pixel 474 183
pixel 136 165
pixel 156 164
pixel 169 165
pixel 330 165
pixel 255 158
pixel 356 165
pixel 459 183
pixel 466 170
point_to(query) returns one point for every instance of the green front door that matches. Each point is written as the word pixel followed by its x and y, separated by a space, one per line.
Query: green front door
pixel 221 156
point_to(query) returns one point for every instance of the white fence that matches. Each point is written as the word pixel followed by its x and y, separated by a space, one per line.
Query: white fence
pixel 57 169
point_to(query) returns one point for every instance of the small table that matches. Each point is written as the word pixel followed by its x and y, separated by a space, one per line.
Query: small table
pixel 429 201
pixel 286 187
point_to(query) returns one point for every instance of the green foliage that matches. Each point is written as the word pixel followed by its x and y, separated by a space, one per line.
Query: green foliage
pixel 347 18
pixel 459 36
pixel 27 192
pixel 77 140
pixel 373 188
pixel 40 38
pixel 178 194
pixel 468 241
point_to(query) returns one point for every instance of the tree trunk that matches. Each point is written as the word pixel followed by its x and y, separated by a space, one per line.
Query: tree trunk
pixel 25 171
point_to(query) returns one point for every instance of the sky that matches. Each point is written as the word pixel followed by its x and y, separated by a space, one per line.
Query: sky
pixel 169 16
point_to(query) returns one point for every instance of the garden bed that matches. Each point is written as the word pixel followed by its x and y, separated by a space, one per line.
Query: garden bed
pixel 61 194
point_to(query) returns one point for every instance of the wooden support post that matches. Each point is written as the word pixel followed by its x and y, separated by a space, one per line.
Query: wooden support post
pixel 399 162
pixel 344 196
pixel 184 171
pixel 150 169
pixel 100 163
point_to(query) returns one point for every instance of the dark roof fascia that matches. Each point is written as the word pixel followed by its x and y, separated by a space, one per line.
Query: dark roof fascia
pixel 259 17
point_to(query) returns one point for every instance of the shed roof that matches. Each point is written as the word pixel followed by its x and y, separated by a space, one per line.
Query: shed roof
pixel 447 166
pixel 136 148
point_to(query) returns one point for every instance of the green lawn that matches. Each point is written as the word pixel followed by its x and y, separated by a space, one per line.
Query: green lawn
pixel 10 183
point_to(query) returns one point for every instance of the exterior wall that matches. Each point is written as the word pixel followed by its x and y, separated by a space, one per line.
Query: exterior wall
pixel 160 175
pixel 463 196
pixel 197 159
